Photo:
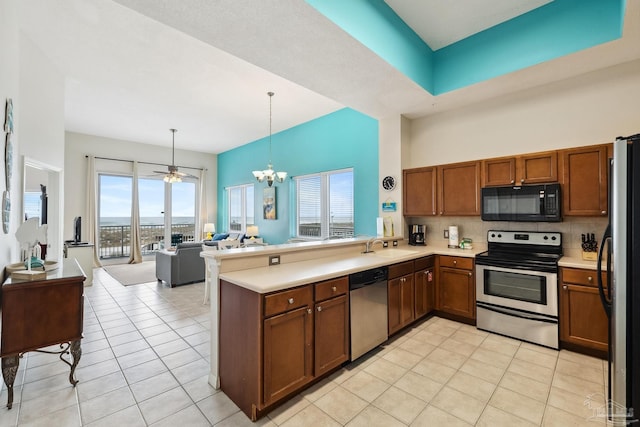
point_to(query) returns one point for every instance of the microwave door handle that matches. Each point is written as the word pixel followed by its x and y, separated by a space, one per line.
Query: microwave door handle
pixel 606 299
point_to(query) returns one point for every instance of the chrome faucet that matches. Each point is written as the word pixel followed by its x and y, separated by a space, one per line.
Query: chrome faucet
pixel 369 245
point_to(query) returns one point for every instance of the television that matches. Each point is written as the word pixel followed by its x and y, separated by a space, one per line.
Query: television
pixel 77 229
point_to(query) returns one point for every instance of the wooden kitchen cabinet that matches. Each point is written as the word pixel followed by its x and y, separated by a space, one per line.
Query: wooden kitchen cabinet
pixel 331 328
pixel 419 191
pixel 424 286
pixel 583 321
pixel 459 189
pixel 531 168
pixel 456 293
pixel 400 288
pixel 585 175
pixel 288 340
pixel 273 345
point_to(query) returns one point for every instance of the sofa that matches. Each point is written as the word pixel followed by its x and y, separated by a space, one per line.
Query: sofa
pixel 182 266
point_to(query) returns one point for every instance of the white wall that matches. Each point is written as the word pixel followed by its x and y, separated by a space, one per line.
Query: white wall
pixel 9 89
pixel 590 109
pixel 42 133
pixel 79 145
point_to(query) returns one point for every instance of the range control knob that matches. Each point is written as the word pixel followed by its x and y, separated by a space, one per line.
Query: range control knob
pixel 493 234
pixel 553 237
pixel 499 236
pixel 546 237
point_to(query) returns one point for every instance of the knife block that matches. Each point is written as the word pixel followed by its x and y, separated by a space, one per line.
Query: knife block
pixel 590 256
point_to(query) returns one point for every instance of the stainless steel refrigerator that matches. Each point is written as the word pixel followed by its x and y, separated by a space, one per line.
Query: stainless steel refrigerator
pixel 621 298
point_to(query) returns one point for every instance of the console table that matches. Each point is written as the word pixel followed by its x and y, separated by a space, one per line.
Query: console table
pixel 41 313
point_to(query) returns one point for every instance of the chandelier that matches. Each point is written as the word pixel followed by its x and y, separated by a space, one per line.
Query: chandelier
pixel 269 174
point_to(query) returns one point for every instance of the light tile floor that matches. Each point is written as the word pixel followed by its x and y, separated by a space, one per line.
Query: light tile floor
pixel 145 362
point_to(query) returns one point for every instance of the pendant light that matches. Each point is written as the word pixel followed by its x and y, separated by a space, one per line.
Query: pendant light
pixel 269 173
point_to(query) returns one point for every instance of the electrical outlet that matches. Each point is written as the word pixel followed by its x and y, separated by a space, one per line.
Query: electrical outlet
pixel 385 244
pixel 446 234
pixel 395 243
pixel 274 259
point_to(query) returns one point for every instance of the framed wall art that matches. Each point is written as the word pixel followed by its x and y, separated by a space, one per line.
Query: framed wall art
pixel 269 203
pixel 8 116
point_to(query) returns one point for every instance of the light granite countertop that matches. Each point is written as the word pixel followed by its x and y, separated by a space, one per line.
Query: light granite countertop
pixel 284 276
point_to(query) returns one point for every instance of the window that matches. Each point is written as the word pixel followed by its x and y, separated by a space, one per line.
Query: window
pixel 325 205
pixel 241 207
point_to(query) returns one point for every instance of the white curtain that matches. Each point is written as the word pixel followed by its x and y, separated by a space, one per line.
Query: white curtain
pixel 203 206
pixel 92 204
pixel 136 253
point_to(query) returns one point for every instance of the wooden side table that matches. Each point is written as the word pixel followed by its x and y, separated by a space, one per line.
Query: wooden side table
pixel 41 313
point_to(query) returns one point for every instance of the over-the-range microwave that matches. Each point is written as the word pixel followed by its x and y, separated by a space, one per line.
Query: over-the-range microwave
pixel 522 203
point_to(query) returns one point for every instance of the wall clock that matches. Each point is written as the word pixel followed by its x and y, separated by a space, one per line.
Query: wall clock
pixel 388 183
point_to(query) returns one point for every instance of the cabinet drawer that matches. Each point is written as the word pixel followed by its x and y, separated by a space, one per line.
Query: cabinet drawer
pixel 423 263
pixel 331 288
pixel 287 300
pixel 401 269
pixel 456 262
pixel 582 277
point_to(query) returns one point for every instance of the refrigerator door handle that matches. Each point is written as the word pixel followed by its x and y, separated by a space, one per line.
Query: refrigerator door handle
pixel 606 299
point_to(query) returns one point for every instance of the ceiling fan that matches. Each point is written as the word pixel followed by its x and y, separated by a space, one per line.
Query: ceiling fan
pixel 173 175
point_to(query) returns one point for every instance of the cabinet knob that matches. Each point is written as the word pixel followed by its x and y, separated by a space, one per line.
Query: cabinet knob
pixel 434 212
pixel 319 308
pixel 308 311
pixel 603 212
pixel 440 212
pixel 590 279
pixel 455 262
pixel 564 287
pixel 513 181
pixel 469 274
pixel 290 300
pixel 333 288
pixel 522 180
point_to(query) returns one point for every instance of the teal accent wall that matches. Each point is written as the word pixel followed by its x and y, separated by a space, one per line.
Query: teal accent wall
pixel 559 28
pixel 343 139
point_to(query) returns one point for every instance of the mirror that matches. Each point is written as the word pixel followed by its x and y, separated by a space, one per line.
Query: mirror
pixel 41 196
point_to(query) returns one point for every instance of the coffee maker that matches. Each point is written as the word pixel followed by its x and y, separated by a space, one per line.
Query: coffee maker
pixel 416 234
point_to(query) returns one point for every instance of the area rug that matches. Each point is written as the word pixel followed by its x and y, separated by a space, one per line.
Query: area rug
pixel 133 274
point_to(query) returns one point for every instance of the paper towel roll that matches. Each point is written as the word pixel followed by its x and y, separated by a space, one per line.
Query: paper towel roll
pixel 453 236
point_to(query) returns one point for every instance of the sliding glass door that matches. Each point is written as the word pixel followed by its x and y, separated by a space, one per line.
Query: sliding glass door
pixel 168 213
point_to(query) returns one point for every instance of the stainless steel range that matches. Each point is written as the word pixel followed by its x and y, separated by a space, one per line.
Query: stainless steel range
pixel 517 285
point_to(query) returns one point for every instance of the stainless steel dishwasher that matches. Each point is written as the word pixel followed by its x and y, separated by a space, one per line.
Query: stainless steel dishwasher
pixel 369 312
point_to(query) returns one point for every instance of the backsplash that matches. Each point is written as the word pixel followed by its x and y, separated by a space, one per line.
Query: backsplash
pixel 571 228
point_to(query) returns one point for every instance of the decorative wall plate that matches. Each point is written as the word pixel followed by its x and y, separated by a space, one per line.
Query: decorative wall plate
pixel 388 183
pixel 8 116
pixel 8 161
pixel 6 211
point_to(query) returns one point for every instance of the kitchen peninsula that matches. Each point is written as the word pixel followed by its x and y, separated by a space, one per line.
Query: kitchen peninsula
pixel 307 279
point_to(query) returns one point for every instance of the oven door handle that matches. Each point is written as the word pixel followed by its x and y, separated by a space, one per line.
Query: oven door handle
pixel 513 313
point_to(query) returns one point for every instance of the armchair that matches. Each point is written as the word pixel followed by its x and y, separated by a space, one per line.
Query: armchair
pixel 182 266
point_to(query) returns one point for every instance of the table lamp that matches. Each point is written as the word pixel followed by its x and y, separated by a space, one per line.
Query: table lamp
pixel 252 231
pixel 209 228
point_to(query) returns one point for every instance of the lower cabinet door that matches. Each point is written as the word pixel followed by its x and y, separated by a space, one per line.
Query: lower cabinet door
pixel 331 334
pixel 457 292
pixel 424 293
pixel 583 320
pixel 288 353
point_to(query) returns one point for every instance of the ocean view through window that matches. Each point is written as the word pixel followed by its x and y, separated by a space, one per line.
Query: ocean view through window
pixel 325 205
pixel 115 214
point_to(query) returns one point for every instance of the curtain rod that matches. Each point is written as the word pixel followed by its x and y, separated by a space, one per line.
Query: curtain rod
pixel 145 163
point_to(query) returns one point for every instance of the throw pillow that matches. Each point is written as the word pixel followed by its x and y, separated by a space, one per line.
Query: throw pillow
pixel 220 236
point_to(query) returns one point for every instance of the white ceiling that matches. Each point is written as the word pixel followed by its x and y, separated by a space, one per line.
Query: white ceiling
pixel 135 68
pixel 440 23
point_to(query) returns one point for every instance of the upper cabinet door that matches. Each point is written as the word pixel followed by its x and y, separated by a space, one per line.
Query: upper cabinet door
pixel 532 168
pixel 500 171
pixel 585 176
pixel 419 191
pixel 459 189
pixel 537 168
